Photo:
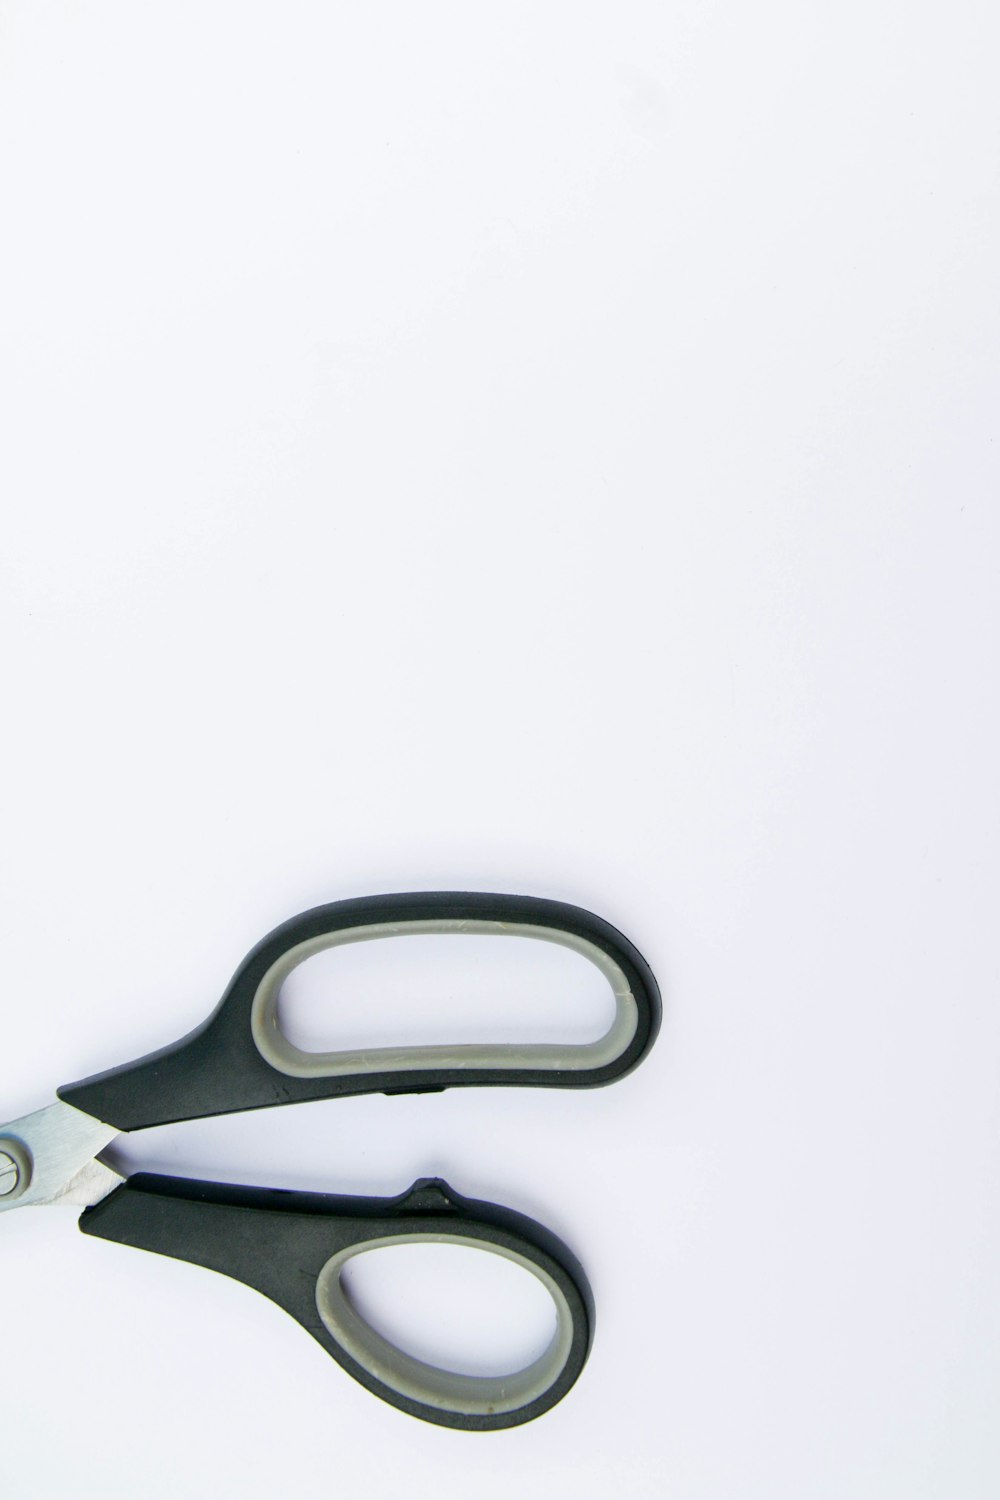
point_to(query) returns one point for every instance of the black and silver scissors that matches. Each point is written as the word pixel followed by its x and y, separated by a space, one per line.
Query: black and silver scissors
pixel 293 1246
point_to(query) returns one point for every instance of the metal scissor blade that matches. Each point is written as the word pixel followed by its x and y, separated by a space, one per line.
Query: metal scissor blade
pixel 51 1158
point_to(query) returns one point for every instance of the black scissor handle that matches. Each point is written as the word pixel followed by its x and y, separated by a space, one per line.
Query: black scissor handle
pixel 239 1059
pixel 293 1247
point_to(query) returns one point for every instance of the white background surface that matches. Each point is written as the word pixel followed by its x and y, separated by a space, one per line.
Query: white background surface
pixel 546 448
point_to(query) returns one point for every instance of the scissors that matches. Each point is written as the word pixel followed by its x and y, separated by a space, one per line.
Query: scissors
pixel 293 1246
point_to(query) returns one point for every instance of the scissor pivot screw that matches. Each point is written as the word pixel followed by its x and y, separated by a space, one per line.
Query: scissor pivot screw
pixel 15 1169
pixel 10 1174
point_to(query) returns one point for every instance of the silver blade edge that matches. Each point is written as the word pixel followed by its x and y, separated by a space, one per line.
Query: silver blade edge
pixel 61 1143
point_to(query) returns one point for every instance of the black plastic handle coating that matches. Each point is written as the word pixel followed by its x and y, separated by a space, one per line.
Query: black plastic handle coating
pixel 291 1247
pixel 220 1068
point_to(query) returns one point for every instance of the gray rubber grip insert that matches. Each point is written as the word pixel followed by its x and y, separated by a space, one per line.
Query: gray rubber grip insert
pixel 276 1049
pixel 444 1390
